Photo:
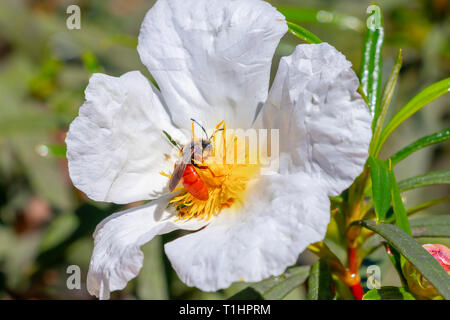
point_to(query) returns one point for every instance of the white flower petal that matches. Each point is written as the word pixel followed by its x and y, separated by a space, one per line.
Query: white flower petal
pixel 211 58
pixel 325 125
pixel 117 257
pixel 115 146
pixel 280 218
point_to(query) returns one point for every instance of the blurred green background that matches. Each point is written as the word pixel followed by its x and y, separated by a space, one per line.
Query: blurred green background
pixel 46 224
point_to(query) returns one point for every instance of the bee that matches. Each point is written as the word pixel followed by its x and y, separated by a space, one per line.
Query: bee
pixel 185 167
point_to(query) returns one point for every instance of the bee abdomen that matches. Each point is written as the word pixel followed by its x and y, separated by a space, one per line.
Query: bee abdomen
pixel 194 183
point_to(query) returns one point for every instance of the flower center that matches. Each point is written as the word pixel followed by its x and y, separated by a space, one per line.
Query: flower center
pixel 225 171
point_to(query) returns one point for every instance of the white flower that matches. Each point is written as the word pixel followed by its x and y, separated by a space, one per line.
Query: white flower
pixel 212 60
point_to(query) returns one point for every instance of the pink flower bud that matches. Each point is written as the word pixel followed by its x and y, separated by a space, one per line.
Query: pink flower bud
pixel 441 253
pixel 417 284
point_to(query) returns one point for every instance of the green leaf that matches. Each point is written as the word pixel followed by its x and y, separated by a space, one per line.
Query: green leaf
pixel 426 205
pixel 381 187
pixel 302 33
pixel 117 39
pixel 42 171
pixel 420 207
pixel 319 282
pixel 424 180
pixel 309 16
pixel 299 15
pixel 438 226
pixel 334 251
pixel 151 281
pixel 60 229
pixel 396 260
pixel 371 67
pixel 422 99
pixel 274 287
pixel 171 140
pixel 57 150
pixel 423 142
pixel 27 122
pixel 388 293
pixel 90 62
pixel 401 219
pixel 386 100
pixel 414 253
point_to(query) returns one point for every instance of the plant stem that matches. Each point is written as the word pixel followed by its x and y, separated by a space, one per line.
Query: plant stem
pixel 356 209
pixel 357 291
pixel 353 278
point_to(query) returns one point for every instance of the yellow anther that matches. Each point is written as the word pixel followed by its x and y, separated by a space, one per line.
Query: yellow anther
pixel 226 183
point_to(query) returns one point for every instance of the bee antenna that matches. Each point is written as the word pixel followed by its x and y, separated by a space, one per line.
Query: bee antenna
pixel 195 121
pixel 221 129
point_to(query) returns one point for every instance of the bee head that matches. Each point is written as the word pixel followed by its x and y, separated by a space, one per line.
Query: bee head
pixel 206 145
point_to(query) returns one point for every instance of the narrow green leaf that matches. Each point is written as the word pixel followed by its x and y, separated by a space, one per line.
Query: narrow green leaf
pixel 414 253
pixel 60 229
pixel 27 123
pixel 419 208
pixel 363 94
pixel 45 180
pixel 422 99
pixel 386 100
pixel 171 140
pixel 299 15
pixel 438 226
pixel 424 180
pixel 309 15
pixel 423 142
pixel 426 205
pixel 396 260
pixel 401 219
pixel 151 282
pixel 57 150
pixel 302 33
pixel 330 250
pixel 124 40
pixel 371 66
pixel 319 282
pixel 334 251
pixel 90 62
pixel 381 187
pixel 274 287
pixel 388 293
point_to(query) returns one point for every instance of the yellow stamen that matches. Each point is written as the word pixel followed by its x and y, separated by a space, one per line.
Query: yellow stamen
pixel 165 174
pixel 226 182
pixel 220 123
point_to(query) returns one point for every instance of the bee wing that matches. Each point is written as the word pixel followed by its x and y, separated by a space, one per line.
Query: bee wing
pixel 180 166
pixel 177 174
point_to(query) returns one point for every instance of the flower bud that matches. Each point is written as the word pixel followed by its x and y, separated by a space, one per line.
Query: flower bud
pixel 417 284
